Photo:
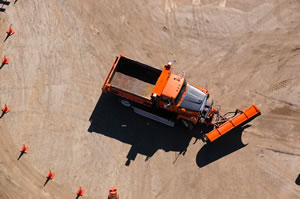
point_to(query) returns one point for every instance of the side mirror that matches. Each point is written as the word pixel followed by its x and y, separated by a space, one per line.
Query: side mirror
pixel 167 105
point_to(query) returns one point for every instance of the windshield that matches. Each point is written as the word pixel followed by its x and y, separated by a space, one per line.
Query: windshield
pixel 180 92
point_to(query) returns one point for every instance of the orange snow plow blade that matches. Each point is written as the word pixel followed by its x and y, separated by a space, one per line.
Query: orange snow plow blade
pixel 239 119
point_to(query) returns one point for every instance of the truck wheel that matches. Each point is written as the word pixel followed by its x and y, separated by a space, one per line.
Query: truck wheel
pixel 125 103
pixel 187 124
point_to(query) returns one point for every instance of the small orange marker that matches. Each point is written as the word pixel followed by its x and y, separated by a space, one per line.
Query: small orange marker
pixel 24 149
pixel 80 191
pixel 6 109
pixel 5 60
pixel 50 175
pixel 10 31
pixel 113 194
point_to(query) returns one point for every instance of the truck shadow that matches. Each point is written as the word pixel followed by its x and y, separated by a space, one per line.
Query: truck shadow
pixel 298 180
pixel 2 3
pixel 223 146
pixel 145 136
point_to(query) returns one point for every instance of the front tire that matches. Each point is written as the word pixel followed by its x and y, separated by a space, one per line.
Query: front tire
pixel 189 125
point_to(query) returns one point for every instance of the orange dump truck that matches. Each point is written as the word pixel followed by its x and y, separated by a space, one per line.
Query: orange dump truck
pixel 166 97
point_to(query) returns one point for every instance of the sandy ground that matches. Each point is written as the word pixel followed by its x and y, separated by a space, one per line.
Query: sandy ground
pixel 243 52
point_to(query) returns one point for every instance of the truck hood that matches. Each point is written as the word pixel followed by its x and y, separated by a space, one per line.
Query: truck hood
pixel 173 86
pixel 194 100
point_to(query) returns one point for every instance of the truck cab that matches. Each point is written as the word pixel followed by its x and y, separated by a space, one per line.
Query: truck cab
pixel 176 95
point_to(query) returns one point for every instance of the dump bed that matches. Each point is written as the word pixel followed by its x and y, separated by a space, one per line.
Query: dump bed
pixel 131 79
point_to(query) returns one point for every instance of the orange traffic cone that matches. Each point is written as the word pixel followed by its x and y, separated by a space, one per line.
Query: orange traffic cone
pixel 10 31
pixel 50 175
pixel 6 109
pixel 24 149
pixel 80 191
pixel 113 194
pixel 5 60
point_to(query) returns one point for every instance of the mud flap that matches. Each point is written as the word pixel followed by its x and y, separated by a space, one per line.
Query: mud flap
pixel 242 117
